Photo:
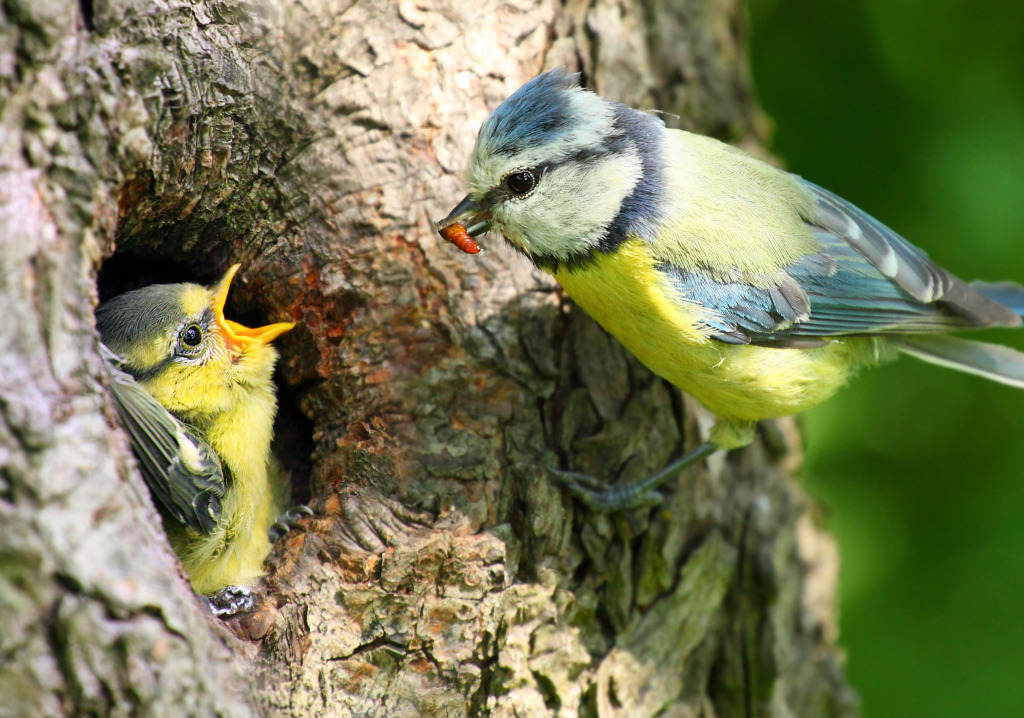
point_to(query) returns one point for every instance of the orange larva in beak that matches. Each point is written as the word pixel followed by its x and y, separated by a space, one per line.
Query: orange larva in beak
pixel 456 234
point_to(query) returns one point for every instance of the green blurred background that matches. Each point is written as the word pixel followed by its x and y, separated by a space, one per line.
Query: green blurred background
pixel 914 110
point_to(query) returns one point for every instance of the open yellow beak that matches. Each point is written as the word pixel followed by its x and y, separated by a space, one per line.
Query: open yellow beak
pixel 238 337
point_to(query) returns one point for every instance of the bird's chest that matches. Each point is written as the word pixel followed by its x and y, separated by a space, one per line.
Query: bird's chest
pixel 634 302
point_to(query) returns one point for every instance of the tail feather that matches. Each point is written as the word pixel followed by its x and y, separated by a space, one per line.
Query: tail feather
pixel 992 361
pixel 1009 294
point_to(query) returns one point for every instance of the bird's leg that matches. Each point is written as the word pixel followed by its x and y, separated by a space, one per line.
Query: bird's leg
pixel 287 521
pixel 601 497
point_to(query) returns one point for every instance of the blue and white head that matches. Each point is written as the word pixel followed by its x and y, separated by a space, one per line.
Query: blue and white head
pixel 562 172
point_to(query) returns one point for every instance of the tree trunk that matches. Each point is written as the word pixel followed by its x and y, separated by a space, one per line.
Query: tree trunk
pixel 162 140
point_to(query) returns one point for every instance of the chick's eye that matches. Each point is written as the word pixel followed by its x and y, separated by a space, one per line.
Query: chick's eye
pixel 192 336
pixel 520 182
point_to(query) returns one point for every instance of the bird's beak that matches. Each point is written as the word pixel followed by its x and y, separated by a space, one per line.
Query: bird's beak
pixel 236 336
pixel 471 214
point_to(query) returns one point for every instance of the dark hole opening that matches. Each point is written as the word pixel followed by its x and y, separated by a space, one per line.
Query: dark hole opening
pixel 126 271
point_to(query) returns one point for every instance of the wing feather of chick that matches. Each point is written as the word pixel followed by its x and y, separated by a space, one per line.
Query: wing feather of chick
pixel 182 471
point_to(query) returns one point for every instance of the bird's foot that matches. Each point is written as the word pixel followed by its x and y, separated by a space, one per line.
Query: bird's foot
pixel 287 521
pixel 600 497
pixel 230 601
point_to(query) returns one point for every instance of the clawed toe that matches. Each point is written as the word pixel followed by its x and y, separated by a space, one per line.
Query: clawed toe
pixel 287 521
pixel 231 600
pixel 577 482
pixel 600 497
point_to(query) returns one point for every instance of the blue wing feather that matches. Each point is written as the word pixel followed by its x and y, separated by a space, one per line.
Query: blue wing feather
pixel 863 279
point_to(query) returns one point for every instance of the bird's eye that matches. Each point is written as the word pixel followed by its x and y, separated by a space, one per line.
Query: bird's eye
pixel 192 336
pixel 520 182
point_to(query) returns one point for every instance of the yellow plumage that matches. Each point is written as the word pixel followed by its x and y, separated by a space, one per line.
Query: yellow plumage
pixel 729 210
pixel 238 424
pixel 720 217
pixel 739 383
pixel 755 291
pixel 222 390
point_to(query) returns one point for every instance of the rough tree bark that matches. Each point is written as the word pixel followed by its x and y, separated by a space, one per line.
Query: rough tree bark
pixel 147 140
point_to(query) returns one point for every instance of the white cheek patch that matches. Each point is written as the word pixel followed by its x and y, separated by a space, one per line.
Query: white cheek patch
pixel 573 205
pixel 582 190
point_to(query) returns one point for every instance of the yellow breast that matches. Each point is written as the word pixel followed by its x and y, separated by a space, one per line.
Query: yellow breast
pixel 633 301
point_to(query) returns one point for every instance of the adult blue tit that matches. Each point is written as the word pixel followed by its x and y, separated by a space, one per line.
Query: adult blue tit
pixel 753 290
pixel 194 391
